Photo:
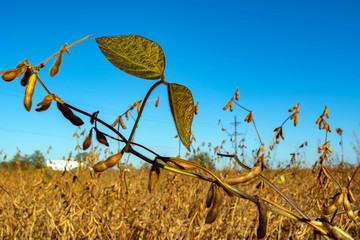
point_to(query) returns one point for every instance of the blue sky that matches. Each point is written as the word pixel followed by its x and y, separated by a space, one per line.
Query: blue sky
pixel 277 53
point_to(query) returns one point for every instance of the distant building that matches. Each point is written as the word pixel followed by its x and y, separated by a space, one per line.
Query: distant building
pixel 61 164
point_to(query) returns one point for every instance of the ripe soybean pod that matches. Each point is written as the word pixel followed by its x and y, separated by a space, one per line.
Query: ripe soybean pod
pixel 177 163
pixel 347 207
pixel 29 91
pixel 101 137
pixel 210 195
pixel 153 177
pixel 122 124
pixel 10 75
pixel 333 207
pixel 108 163
pixel 254 172
pixel 25 80
pixel 87 141
pixel 214 208
pixel 54 70
pixel 261 231
pixel 68 114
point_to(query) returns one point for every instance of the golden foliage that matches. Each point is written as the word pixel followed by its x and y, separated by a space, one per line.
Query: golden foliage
pixel 182 109
pixel 134 54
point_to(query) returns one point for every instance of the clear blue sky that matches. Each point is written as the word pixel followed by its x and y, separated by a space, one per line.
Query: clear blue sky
pixel 278 53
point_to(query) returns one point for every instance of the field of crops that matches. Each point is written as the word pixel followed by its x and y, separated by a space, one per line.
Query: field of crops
pixel 171 197
pixel 117 204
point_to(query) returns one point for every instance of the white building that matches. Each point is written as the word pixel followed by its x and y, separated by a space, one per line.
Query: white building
pixel 61 164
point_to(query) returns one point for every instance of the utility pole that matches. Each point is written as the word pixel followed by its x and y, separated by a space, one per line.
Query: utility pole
pixel 235 134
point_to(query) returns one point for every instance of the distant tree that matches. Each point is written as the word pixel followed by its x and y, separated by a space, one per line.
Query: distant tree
pixel 35 160
pixel 82 156
pixel 204 159
pixel 146 165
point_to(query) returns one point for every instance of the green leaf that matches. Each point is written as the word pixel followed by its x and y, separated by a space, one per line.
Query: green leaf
pixel 135 55
pixel 182 109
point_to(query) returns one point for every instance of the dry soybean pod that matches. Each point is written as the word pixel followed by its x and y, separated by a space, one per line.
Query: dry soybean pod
pixel 101 137
pixel 348 209
pixel 29 92
pixel 296 120
pixel 332 232
pixel 153 177
pixel 139 107
pixel 333 207
pixel 68 114
pixel 260 150
pixel 249 117
pixel 122 122
pixel 196 108
pixel 237 94
pixel 330 209
pixel 116 122
pixel 214 208
pixel 339 201
pixel 10 75
pixel 261 231
pixel 254 172
pixel 108 163
pixel 210 195
pixel 174 162
pixel 229 104
pixel 87 141
pixel 21 68
pixel 25 80
pixel 56 67
pixel 45 104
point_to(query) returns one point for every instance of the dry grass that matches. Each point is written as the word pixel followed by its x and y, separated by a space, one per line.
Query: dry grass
pixel 49 204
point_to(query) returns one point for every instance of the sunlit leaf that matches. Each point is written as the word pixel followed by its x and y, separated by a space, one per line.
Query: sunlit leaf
pixel 134 55
pixel 182 109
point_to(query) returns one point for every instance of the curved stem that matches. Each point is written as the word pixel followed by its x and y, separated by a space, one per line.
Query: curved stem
pixel 286 120
pixel 328 173
pixel 57 53
pixel 271 185
pixel 126 149
pixel 139 155
pixel 133 143
pixel 257 132
pixel 352 176
pixel 43 85
pixel 272 140
pixel 241 106
pixel 97 119
pixel 252 120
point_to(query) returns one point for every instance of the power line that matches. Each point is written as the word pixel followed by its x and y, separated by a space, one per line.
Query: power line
pixel 33 133
pixel 235 133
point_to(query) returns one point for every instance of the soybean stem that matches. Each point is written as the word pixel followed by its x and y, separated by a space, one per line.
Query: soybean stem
pixel 140 113
pixel 57 53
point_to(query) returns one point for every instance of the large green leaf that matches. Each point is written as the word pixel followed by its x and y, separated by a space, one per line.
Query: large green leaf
pixel 134 55
pixel 182 109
